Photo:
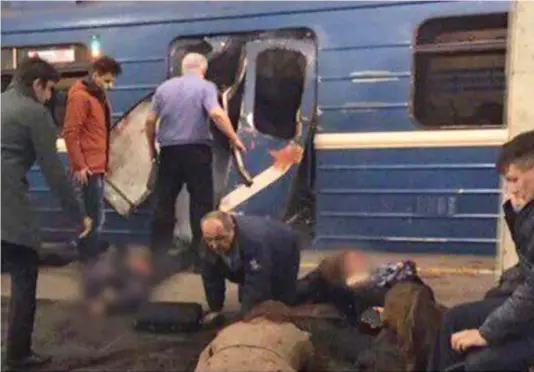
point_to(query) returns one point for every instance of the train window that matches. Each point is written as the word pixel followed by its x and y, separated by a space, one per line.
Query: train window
pixel 278 70
pixel 459 68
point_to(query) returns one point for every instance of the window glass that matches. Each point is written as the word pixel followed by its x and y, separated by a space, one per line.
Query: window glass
pixel 460 71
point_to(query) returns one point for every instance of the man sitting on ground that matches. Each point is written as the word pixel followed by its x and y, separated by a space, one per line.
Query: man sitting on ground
pixel 497 333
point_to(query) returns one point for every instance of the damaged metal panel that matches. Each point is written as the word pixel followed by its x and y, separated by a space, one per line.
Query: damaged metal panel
pixel 272 157
pixel 130 164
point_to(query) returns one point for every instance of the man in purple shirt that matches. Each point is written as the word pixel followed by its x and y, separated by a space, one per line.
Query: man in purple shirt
pixel 183 105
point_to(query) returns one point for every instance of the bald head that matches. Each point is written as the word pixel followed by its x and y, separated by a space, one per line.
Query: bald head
pixel 218 230
pixel 194 62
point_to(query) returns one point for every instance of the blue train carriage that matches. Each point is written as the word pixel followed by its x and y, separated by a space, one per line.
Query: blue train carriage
pixel 374 124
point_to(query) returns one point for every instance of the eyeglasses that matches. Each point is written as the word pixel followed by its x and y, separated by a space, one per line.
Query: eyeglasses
pixel 215 240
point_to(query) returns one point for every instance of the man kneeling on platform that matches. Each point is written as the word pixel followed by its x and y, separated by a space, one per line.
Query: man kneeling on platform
pixel 261 255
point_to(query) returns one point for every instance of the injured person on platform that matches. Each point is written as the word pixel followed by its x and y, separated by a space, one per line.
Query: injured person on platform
pixel 349 282
pixel 302 339
pixel 118 282
pixel 266 339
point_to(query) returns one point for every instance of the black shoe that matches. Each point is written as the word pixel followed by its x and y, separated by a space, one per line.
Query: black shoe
pixel 32 360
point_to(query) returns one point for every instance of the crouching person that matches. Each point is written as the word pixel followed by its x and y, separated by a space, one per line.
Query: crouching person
pixel 261 255
pixel 497 333
pixel 281 346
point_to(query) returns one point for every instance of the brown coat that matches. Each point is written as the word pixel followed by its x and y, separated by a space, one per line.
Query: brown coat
pixel 258 345
pixel 86 127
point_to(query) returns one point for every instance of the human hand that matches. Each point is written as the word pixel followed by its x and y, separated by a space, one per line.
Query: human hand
pixel 237 143
pixel 463 340
pixel 87 226
pixel 517 202
pixel 212 318
pixel 82 176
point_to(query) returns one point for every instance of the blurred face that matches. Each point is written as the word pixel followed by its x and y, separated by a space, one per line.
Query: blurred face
pixel 519 184
pixel 104 81
pixel 355 267
pixel 43 92
pixel 216 236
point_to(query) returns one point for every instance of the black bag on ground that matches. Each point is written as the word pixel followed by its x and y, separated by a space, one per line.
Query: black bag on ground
pixel 169 317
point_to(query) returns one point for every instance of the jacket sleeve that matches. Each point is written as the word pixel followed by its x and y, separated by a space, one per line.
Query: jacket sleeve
pixel 75 116
pixel 513 316
pixel 510 217
pixel 517 312
pixel 214 281
pixel 43 135
pixel 258 272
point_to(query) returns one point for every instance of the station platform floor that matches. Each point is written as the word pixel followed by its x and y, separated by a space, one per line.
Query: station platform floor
pixel 110 344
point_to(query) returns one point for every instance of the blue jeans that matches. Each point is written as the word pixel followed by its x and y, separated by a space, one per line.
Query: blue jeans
pixel 93 199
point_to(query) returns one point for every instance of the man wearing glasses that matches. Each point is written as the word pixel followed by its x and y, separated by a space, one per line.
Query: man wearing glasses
pixel 261 255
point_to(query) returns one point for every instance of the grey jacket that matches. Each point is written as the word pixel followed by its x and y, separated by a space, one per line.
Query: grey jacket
pixel 516 315
pixel 29 134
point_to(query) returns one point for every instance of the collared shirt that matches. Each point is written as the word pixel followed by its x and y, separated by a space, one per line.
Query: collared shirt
pixel 182 105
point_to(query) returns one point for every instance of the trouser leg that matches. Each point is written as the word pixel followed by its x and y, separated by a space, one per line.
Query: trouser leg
pixel 22 263
pixel 200 185
pixel 168 184
pixel 93 198
pixel 466 316
pixel 513 355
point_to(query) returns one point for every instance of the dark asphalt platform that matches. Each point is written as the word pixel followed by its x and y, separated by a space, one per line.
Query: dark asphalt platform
pixel 80 344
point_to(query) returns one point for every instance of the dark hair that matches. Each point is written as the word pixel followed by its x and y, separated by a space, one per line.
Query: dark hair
pixel 105 65
pixel 33 68
pixel 520 151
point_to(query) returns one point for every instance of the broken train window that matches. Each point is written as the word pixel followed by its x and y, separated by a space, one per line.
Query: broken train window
pixel 280 77
pixel 460 71
pixel 279 86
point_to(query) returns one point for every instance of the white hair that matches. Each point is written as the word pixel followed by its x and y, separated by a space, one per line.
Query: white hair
pixel 193 62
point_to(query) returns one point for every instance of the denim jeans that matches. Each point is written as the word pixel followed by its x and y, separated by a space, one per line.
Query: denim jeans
pixel 93 199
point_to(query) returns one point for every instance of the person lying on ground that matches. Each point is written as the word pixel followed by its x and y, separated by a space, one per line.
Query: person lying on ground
pixel 261 255
pixel 264 340
pixel 347 281
pixel 497 333
pixel 118 282
pixel 411 318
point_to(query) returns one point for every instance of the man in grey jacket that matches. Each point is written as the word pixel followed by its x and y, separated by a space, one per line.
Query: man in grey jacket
pixel 497 333
pixel 28 134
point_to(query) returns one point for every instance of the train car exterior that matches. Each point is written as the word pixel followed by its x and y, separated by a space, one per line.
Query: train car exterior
pixel 401 108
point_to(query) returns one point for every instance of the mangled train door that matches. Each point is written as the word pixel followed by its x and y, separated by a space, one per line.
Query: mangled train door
pixel 130 165
pixel 275 123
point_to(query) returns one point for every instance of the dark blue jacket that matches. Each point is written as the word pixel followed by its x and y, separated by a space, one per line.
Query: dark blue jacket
pixel 516 315
pixel 264 260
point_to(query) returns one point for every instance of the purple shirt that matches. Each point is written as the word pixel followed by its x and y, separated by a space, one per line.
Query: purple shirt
pixel 182 105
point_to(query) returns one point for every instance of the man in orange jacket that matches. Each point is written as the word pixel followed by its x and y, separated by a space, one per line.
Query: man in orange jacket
pixel 86 132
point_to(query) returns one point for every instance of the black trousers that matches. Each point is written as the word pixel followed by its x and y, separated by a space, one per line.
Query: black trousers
pixel 22 263
pixel 189 164
pixel 512 355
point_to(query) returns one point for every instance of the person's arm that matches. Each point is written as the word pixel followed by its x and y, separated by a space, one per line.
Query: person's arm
pixel 513 316
pixel 517 312
pixel 214 283
pixel 258 274
pixel 151 123
pixel 43 135
pixel 75 116
pixel 219 117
